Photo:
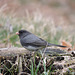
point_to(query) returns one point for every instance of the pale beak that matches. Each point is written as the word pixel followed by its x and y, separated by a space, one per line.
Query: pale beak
pixel 17 33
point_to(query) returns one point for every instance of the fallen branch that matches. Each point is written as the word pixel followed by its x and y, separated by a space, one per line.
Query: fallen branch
pixel 12 51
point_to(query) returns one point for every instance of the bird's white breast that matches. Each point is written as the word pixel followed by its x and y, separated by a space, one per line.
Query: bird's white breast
pixel 32 48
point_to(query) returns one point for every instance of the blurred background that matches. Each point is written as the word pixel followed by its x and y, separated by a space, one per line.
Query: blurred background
pixel 52 20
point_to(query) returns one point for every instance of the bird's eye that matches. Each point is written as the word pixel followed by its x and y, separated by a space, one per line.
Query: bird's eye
pixel 20 32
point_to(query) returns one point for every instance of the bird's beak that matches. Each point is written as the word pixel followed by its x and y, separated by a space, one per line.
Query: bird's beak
pixel 17 33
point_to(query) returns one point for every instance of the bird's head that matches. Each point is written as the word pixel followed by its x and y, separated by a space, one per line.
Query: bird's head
pixel 22 33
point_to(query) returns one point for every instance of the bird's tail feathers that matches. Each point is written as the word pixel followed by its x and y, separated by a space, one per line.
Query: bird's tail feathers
pixel 56 45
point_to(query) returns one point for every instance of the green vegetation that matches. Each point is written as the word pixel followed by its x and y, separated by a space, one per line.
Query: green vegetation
pixel 40 26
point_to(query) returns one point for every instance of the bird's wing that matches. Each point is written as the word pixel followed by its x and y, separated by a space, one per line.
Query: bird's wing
pixel 34 40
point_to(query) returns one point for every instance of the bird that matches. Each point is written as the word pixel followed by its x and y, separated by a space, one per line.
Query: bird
pixel 32 42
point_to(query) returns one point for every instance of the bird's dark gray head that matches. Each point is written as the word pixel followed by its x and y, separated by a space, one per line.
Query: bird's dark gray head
pixel 22 33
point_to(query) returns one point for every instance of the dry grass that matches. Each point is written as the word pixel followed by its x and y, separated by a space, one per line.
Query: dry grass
pixel 36 22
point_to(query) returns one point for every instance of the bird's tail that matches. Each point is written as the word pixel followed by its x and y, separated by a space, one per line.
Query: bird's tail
pixel 56 45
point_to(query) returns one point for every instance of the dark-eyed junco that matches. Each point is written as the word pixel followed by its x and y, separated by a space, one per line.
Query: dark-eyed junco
pixel 32 42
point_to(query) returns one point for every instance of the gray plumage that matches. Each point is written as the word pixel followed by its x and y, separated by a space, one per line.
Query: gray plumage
pixel 31 41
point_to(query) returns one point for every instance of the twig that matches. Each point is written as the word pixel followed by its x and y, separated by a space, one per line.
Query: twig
pixel 20 65
pixel 44 50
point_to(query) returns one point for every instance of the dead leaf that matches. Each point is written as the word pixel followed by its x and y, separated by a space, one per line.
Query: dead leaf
pixel 65 43
pixel 69 45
